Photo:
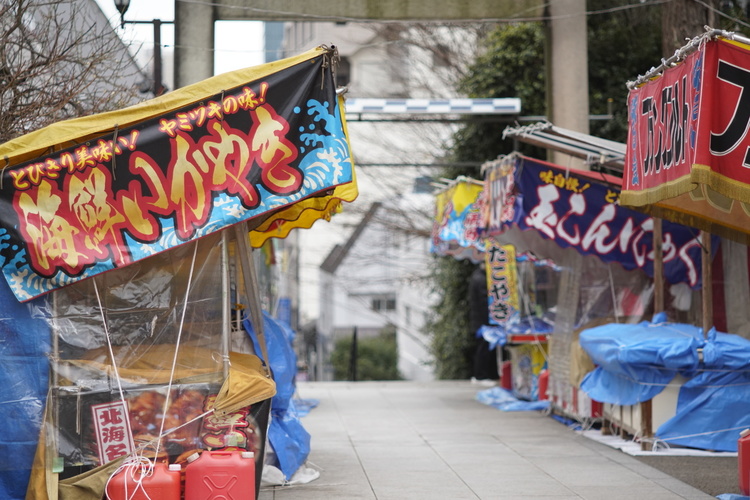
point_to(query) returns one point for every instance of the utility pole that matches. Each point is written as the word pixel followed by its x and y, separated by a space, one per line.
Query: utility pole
pixel 157 86
pixel 568 71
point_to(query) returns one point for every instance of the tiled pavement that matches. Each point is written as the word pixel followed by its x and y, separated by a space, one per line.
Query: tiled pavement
pixel 433 440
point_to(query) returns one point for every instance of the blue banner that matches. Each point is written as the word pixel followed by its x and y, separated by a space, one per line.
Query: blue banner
pixel 580 210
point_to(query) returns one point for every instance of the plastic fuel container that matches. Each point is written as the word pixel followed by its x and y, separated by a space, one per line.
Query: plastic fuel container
pixel 220 475
pixel 743 461
pixel 134 484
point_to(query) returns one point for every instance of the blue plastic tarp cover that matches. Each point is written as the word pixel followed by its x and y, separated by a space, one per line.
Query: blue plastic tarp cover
pixel 504 400
pixel 288 438
pixel 636 362
pixel 24 350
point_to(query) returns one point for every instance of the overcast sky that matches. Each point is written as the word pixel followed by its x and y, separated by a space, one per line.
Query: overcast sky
pixel 238 44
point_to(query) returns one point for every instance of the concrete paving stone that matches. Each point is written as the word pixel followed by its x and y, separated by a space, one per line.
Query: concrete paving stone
pixel 571 472
pixel 521 483
pixel 401 458
pixel 521 486
pixel 316 490
pixel 518 472
pixel 649 492
pixel 500 495
pixel 683 490
pixel 493 457
pixel 413 485
pixel 410 440
pixel 548 447
pixel 645 470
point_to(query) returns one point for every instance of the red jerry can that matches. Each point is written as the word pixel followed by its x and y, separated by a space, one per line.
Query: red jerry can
pixel 743 461
pixel 162 482
pixel 543 385
pixel 506 380
pixel 220 475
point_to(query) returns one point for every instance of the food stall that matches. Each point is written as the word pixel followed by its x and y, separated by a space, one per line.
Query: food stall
pixel 686 162
pixel 516 285
pixel 455 229
pixel 603 253
pixel 126 240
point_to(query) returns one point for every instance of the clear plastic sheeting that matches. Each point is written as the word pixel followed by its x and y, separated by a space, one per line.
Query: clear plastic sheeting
pixel 589 291
pixel 636 362
pixel 140 308
pixel 139 356
pixel 289 440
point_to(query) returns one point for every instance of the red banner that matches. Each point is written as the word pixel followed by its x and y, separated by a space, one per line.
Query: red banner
pixel 723 141
pixel 662 115
pixel 690 127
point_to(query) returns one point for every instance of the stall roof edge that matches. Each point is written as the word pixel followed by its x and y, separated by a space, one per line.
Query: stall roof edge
pixel 594 150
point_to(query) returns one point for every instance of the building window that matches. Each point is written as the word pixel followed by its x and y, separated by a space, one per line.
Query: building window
pixel 383 304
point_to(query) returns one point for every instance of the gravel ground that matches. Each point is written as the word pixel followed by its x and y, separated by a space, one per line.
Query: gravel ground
pixel 712 475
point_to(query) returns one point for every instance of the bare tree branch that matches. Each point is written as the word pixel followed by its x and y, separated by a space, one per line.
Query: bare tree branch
pixel 60 59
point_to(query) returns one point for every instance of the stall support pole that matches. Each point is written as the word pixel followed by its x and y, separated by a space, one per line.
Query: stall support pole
pixel 706 295
pixel 226 311
pixel 646 406
pixel 250 279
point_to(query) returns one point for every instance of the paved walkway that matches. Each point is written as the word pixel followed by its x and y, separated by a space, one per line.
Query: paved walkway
pixel 412 441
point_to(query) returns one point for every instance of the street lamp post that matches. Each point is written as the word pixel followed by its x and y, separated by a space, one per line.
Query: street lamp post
pixel 157 86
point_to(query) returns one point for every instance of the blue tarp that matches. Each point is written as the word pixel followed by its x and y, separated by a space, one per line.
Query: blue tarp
pixel 24 350
pixel 304 406
pixel 636 362
pixel 289 440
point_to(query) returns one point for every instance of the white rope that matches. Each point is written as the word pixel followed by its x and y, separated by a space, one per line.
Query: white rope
pixel 707 433
pixel 177 347
pixel 133 462
pixel 136 468
pixel 111 351
pixel 137 462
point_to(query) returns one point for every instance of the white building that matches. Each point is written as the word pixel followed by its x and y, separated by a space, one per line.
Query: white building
pixel 373 275
pixel 377 279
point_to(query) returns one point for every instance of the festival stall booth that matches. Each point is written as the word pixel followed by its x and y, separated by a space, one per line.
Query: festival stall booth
pixel 455 229
pixel 126 243
pixel 528 281
pixel 687 161
pixel 602 254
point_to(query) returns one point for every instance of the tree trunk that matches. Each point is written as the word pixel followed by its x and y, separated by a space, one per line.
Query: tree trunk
pixel 683 20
